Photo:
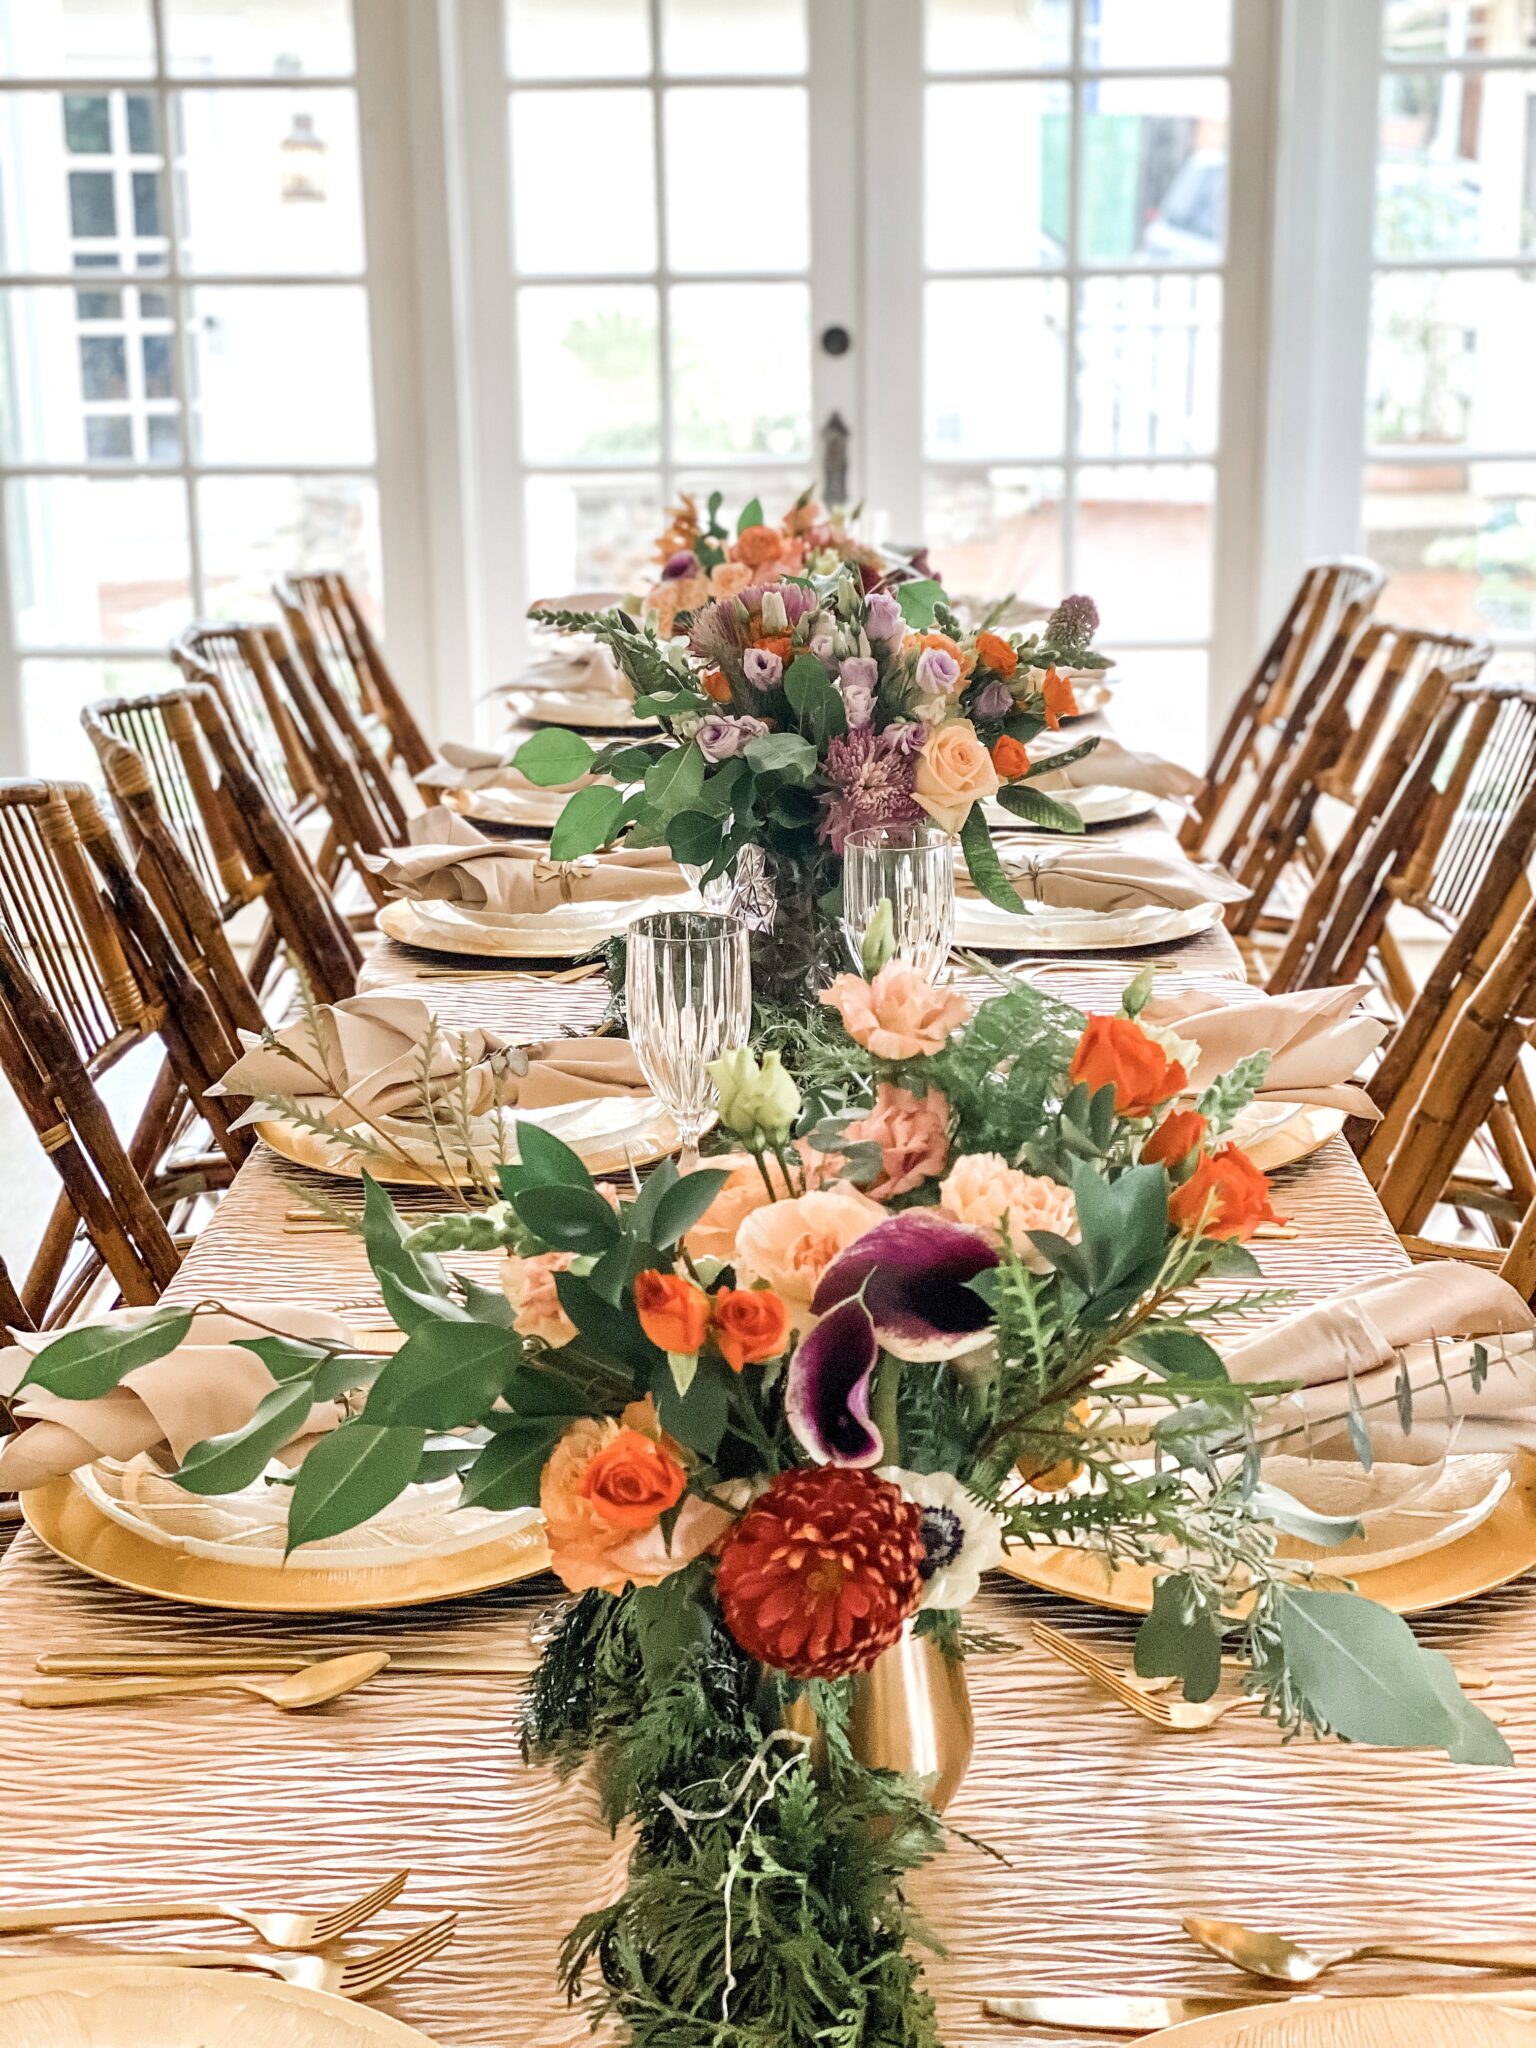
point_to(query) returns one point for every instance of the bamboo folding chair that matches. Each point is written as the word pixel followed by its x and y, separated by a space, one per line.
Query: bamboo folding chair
pixel 1332 603
pixel 180 747
pixel 334 642
pixel 306 764
pixel 89 974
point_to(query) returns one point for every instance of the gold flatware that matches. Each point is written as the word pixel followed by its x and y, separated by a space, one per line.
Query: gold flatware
pixel 1470 1677
pixel 1137 2013
pixel 440 1663
pixel 356 1978
pixel 1280 1960
pixel 277 1929
pixel 1179 1717
pixel 311 1686
pixel 549 974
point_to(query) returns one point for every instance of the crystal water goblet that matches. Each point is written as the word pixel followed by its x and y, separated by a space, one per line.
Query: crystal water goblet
pixel 688 991
pixel 912 868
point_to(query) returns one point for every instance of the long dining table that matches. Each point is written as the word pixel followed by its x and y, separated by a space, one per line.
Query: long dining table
pixel 1081 1834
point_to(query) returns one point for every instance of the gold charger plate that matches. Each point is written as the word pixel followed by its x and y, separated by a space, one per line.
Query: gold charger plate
pixel 61 1516
pixel 1294 1131
pixel 1363 2023
pixel 1499 1549
pixel 82 2004
pixel 548 935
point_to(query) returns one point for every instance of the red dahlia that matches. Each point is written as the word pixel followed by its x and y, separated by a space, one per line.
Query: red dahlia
pixel 822 1570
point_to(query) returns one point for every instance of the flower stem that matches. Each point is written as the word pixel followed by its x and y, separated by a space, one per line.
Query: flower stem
pixel 885 1408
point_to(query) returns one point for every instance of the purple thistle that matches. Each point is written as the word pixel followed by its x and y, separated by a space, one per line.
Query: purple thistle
pixel 1073 624
pixel 871 775
pixel 718 633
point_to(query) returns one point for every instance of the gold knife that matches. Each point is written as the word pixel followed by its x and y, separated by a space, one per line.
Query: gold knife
pixel 1111 2013
pixel 99 1664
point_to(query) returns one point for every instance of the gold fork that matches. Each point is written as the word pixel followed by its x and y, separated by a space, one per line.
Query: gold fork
pixel 1180 1717
pixel 278 1930
pixel 356 1978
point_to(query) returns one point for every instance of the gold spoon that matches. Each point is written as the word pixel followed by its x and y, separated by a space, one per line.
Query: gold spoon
pixel 293 1691
pixel 1287 1962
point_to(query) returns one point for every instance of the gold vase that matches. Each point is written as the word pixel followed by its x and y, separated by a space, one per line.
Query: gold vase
pixel 911 1711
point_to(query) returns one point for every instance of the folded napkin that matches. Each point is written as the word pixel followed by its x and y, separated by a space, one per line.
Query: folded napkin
pixel 575 1070
pixel 1426 1321
pixel 369 1049
pixel 440 826
pixel 1111 878
pixel 1112 766
pixel 1315 1036
pixel 206 1387
pixel 512 880
pixel 461 767
pixel 578 667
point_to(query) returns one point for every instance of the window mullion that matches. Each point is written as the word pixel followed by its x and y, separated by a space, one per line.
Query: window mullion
pixel 181 309
pixel 663 259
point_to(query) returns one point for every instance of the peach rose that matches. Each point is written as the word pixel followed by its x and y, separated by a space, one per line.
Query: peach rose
pixel 729 579
pixel 954 771
pixel 589 1547
pixel 714 1235
pixel 984 1191
pixel 912 1132
pixel 529 1284
pixel 789 1245
pixel 897 1015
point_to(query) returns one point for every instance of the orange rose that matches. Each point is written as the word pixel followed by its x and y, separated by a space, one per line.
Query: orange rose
pixel 757 545
pixel 750 1325
pixel 673 1313
pixel 1237 1194
pixel 1060 698
pixel 1010 757
pixel 994 652
pixel 773 643
pixel 715 684
pixel 1181 1132
pixel 632 1480
pixel 1114 1052
pixel 954 771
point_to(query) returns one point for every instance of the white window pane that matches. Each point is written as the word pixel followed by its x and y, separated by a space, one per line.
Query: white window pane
pixel 254 529
pixel 81 182
pixel 1144 550
pixel 1458 543
pixel 53 695
pixel 1154 175
pixel 583 181
pixel 706 125
pixel 98 561
pixel 1148 365
pixel 1162 706
pixel 591 533
pixel 1450 360
pixel 83 373
pixel 995 531
pixel 281 373
pixel 758 38
pixel 588 370
pixel 995 181
pixel 578 38
pixel 741 370
pixel 998 35
pixel 258 38
pixel 1456 175
pixel 76 39
pixel 270 181
pixel 1128 34
pixel 994 367
pixel 1455 28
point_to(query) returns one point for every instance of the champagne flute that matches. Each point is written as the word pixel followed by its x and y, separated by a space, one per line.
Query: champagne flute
pixel 688 990
pixel 911 867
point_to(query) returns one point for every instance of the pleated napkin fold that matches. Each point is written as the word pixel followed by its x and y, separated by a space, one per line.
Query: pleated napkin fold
pixel 575 666
pixel 473 768
pixel 512 880
pixel 206 1387
pixel 440 826
pixel 1429 1323
pixel 1316 1037
pixel 1111 878
pixel 575 1070
pixel 1113 766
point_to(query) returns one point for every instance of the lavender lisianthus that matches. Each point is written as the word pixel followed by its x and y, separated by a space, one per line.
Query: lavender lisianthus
pixel 909 737
pixel 871 780
pixel 938 672
pixel 720 738
pixel 821 646
pixel 860 679
pixel 995 701
pixel 882 616
pixel 762 668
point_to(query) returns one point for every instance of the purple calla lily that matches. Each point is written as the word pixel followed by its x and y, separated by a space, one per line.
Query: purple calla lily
pixel 911 1273
pixel 826 1391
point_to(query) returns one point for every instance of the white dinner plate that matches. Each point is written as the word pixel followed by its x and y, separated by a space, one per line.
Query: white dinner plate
pixel 550 934
pixel 1405 1511
pixel 1104 804
pixel 1043 928
pixel 538 809
pixel 85 2004
pixel 597 710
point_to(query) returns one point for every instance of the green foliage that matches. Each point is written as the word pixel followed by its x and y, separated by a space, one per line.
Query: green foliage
pixel 917 601
pixel 815 700
pixel 85 1363
pixel 553 756
pixel 589 820
pixel 1234 1090
pixel 349 1475
pixel 751 515
pixel 1181 1638
pixel 984 864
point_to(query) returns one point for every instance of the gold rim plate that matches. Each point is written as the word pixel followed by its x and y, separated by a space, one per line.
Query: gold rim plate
pixel 1305 1128
pixel 547 940
pixel 1048 929
pixel 61 1516
pixel 83 2004
pixel 1496 1551
pixel 597 710
pixel 1361 2023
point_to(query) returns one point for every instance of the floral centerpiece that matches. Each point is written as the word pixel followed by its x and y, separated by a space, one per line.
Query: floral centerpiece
pixel 800 709
pixel 781 1413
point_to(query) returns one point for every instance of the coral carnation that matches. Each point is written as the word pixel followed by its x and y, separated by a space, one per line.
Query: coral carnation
pixel 819 1574
pixel 899 1014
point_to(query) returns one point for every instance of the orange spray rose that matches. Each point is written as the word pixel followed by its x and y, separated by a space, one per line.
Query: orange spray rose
pixel 673 1312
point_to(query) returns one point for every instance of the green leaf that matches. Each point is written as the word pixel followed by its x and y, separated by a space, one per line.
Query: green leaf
pixel 567 1219
pixel 1123 1222
pixel 684 1366
pixel 782 753
pixel 506 1473
pixel 414 1284
pixel 699 1416
pixel 625 764
pixel 543 1160
pixel 672 1624
pixel 1180 1639
pixel 681 1205
pixel 350 1475
pixel 444 1375
pixel 612 1332
pixel 1297 1519
pixel 286 1358
pixel 1036 808
pixel 589 820
pixel 83 1364
pixel 751 515
pixel 816 702
pixel 223 1464
pixel 554 756
pixel 984 866
pixel 673 782
pixel 917 601
pixel 694 838
pixel 1183 1354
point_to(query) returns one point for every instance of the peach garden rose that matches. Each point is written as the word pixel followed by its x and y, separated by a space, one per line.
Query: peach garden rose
pixel 954 771
pixel 791 1244
pixel 984 1191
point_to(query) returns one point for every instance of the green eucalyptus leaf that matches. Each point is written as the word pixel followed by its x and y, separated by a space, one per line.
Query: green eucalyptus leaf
pixel 1180 1639
pixel 83 1364
pixel 673 782
pixel 782 753
pixel 1297 1519
pixel 1036 808
pixel 553 756
pixel 589 821
pixel 349 1475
